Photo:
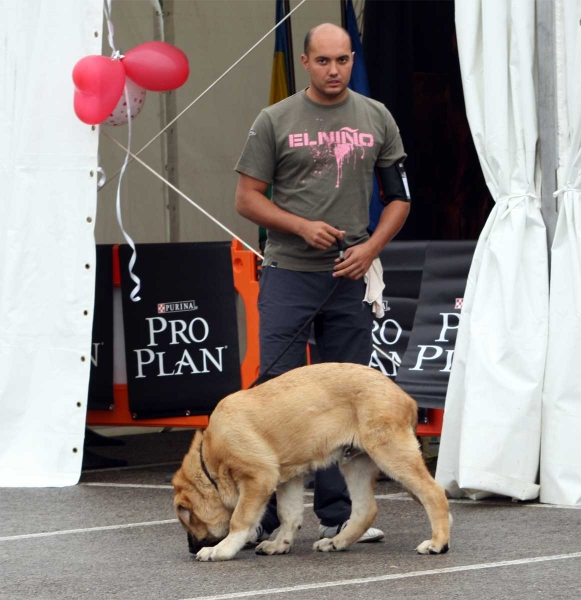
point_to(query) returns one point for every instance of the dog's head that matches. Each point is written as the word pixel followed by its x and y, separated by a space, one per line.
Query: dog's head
pixel 198 504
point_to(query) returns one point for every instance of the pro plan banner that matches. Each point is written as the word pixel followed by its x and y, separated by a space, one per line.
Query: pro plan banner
pixel 181 338
pixel 402 263
pixel 427 362
pixel 101 379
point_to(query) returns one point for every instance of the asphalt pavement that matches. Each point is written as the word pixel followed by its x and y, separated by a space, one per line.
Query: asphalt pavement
pixel 115 535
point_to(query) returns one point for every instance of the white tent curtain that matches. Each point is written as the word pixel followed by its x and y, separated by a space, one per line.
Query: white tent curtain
pixel 492 425
pixel 47 249
pixel 560 455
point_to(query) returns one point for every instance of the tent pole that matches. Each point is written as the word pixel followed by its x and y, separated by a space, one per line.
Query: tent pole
pixel 164 31
pixel 547 107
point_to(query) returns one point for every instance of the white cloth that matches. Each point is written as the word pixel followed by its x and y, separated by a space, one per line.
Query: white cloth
pixel 492 422
pixel 374 290
pixel 48 170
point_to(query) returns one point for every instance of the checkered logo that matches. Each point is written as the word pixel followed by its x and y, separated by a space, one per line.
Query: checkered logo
pixel 175 307
pixel 459 303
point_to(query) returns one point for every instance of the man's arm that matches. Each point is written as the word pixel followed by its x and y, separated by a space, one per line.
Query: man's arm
pixel 252 204
pixel 358 259
pixel 394 190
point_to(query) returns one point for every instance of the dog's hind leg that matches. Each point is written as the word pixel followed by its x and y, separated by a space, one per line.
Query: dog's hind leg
pixel 400 457
pixel 360 474
pixel 254 495
pixel 289 500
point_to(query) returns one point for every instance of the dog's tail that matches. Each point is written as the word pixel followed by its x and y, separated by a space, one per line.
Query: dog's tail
pixel 409 406
pixel 414 420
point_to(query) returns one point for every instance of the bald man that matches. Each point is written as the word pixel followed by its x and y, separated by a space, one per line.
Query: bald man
pixel 319 149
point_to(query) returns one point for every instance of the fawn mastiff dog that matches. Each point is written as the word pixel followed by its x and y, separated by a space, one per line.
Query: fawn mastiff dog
pixel 264 439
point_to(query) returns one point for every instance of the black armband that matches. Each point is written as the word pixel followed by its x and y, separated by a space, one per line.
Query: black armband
pixel 393 183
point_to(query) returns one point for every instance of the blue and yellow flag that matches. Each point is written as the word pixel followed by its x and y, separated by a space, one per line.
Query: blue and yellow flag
pixel 281 68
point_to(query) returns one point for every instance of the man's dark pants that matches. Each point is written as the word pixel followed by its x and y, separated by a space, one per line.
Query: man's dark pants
pixel 342 334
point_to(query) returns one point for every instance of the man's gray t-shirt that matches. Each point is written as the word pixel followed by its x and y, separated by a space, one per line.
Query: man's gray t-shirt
pixel 320 161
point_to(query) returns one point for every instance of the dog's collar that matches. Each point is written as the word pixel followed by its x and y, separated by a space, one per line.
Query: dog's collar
pixel 205 469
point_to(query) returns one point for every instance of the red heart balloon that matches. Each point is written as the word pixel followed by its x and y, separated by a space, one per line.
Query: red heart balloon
pixel 99 83
pixel 157 66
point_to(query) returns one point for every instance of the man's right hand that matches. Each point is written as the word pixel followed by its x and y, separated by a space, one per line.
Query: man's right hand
pixel 252 204
pixel 319 234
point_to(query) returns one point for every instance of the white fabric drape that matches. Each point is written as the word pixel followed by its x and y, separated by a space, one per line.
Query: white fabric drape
pixel 47 249
pixel 492 425
pixel 560 455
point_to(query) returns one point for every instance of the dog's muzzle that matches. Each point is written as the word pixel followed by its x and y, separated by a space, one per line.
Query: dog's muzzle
pixel 195 545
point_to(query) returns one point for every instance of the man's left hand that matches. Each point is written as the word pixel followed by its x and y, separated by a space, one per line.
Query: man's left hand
pixel 356 263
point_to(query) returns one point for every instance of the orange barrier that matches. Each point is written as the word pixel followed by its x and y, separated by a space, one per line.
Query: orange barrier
pixel 434 425
pixel 246 284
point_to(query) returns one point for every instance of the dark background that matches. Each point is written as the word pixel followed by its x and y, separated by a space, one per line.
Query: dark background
pixel 413 68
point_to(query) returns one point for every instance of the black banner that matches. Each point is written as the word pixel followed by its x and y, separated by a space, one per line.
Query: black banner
pixel 427 362
pixel 403 263
pixel 181 338
pixel 101 378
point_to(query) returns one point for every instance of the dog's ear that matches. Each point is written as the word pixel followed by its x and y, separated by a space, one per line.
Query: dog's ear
pixel 197 440
pixel 184 514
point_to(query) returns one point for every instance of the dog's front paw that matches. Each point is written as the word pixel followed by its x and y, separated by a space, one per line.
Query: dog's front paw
pixel 205 554
pixel 270 548
pixel 213 554
pixel 326 545
pixel 431 547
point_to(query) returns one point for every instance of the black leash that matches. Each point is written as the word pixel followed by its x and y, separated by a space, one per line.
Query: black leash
pixel 306 324
pixel 205 469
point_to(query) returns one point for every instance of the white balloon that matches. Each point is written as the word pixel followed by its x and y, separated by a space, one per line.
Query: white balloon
pixel 136 100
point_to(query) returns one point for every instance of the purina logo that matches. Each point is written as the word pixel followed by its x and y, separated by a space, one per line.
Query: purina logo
pixel 175 307
pixel 459 303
